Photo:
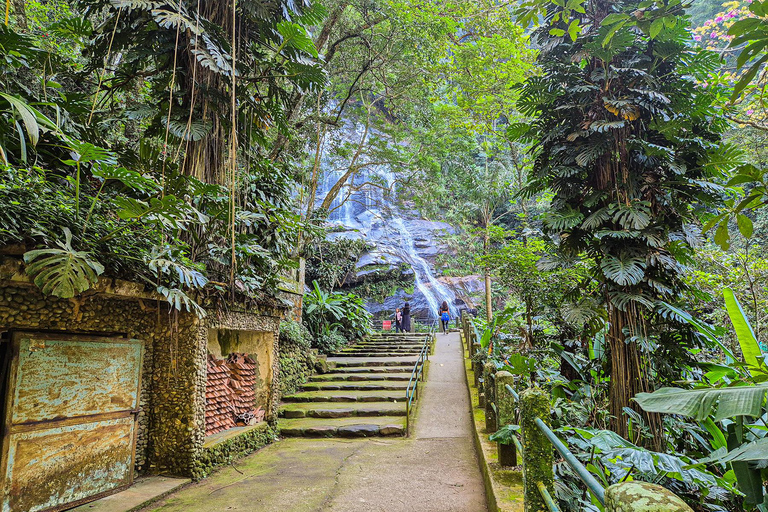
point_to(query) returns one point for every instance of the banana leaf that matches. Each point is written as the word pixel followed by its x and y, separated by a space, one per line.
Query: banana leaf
pixel 700 403
pixel 746 336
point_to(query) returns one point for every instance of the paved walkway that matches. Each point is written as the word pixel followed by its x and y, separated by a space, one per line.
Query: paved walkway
pixel 434 470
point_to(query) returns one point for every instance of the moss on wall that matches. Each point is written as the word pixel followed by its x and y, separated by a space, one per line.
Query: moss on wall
pixel 297 362
pixel 171 421
pixel 232 449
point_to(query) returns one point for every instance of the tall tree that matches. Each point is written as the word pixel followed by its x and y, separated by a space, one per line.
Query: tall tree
pixel 220 74
pixel 626 141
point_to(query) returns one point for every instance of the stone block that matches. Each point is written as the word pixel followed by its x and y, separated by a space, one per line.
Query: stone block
pixel 642 497
pixel 358 431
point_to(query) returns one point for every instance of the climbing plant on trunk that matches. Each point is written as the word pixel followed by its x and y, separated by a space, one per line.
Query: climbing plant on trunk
pixel 627 141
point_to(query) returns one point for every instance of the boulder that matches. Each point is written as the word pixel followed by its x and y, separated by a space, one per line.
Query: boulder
pixel 642 497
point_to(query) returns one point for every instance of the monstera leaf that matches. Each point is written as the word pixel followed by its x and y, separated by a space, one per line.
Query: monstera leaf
pixel 624 270
pixel 62 272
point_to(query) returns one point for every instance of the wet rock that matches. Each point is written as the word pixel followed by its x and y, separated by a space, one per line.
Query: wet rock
pixel 642 497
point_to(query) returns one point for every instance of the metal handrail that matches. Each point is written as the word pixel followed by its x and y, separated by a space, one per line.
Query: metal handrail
pixel 583 473
pixel 413 382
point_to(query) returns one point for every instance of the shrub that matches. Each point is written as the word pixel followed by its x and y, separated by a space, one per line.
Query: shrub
pixel 343 313
pixel 330 341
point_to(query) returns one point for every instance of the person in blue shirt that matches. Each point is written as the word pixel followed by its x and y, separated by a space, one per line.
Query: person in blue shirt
pixel 445 316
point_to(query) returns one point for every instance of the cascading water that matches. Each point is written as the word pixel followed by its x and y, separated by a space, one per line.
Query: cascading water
pixel 370 213
pixel 436 292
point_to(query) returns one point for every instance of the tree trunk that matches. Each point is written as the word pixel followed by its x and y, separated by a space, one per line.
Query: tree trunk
pixel 20 14
pixel 628 378
pixel 487 274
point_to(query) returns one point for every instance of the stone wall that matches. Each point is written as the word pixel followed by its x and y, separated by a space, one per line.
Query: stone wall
pixel 171 422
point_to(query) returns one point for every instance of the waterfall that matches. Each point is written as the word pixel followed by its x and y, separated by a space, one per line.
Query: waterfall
pixel 371 213
pixel 436 292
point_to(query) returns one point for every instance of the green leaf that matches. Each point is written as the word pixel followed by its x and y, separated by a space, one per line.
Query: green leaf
pixel 718 437
pixel 574 29
pixel 756 450
pixel 131 179
pixel 296 36
pixel 748 478
pixel 700 403
pixel 614 18
pixel 623 270
pixel 745 225
pixel 748 77
pixel 62 272
pixel 27 116
pixel 656 27
pixel 722 238
pixel 746 336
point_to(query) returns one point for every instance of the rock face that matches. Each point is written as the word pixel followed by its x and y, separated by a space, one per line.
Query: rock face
pixel 400 266
pixel 642 497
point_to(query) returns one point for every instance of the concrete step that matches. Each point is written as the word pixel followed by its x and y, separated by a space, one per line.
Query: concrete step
pixel 362 376
pixel 387 344
pixel 373 395
pixel 343 385
pixel 407 350
pixel 343 427
pixel 419 339
pixel 343 362
pixel 370 369
pixel 341 410
pixel 374 354
pixel 382 348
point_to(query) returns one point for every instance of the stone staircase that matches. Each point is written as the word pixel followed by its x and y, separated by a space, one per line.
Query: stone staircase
pixel 363 394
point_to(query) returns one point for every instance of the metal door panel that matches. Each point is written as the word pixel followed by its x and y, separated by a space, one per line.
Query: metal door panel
pixel 65 378
pixel 70 428
pixel 53 467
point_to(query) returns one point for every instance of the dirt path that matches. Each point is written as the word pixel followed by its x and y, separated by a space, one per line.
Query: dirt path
pixel 435 470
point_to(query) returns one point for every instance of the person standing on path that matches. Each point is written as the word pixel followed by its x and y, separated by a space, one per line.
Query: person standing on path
pixel 445 316
pixel 406 322
pixel 398 320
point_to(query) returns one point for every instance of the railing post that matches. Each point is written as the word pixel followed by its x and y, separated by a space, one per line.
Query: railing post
pixel 505 405
pixel 537 450
pixel 489 386
pixel 477 366
pixel 642 497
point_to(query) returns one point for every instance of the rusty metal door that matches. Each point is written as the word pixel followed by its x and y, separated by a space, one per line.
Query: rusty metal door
pixel 69 432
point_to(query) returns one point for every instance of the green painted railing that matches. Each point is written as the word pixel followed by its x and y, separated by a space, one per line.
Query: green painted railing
pixel 582 472
pixel 417 374
pixel 530 407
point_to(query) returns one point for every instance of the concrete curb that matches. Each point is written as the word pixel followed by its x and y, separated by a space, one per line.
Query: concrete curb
pixel 493 490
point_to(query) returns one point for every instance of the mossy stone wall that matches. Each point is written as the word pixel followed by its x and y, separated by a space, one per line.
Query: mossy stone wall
pixel 232 449
pixel 537 450
pixel 171 421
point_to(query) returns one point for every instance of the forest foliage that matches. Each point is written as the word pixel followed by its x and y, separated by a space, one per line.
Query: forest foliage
pixel 603 163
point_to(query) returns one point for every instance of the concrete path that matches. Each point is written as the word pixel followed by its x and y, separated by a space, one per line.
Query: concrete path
pixel 434 470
